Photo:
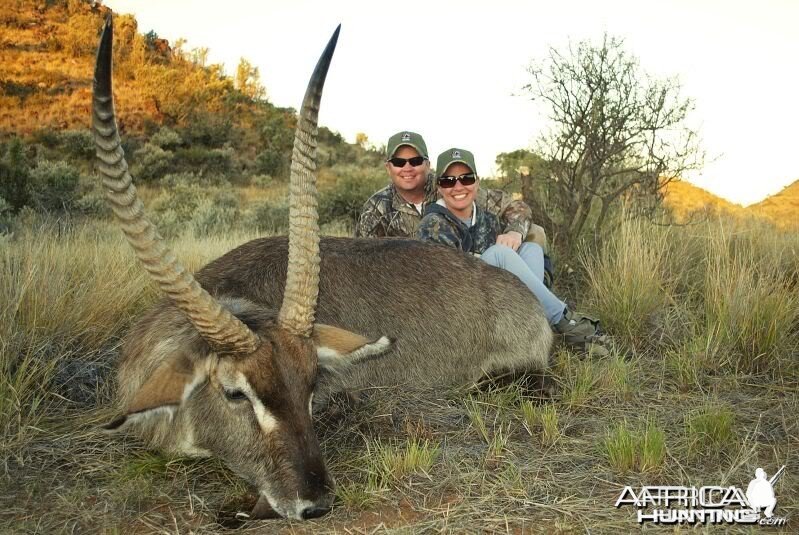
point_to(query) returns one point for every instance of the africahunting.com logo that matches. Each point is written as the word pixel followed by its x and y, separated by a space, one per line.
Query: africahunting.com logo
pixel 707 505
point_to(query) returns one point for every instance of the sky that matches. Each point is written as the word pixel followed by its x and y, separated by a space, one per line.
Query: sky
pixel 454 70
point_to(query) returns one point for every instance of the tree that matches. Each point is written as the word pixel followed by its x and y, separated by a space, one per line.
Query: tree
pixel 616 133
pixel 248 80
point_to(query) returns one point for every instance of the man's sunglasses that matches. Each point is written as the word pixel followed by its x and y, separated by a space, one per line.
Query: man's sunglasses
pixel 447 182
pixel 416 161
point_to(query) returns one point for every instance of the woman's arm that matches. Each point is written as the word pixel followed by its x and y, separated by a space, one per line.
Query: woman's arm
pixel 436 228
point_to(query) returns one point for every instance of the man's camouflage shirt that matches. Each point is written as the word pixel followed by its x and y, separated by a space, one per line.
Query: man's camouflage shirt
pixel 386 213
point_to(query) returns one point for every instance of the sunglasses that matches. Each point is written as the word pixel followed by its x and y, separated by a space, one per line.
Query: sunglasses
pixel 416 161
pixel 447 182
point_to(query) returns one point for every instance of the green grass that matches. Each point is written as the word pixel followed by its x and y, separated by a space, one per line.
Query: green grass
pixel 541 421
pixel 710 428
pixel 392 462
pixel 629 449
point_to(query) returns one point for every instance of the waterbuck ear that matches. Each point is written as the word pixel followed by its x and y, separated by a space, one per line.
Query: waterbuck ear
pixel 161 394
pixel 337 347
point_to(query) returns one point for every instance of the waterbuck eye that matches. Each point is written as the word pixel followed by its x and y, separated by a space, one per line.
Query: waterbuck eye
pixel 234 394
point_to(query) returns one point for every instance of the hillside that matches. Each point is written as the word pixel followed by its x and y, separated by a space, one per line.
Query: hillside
pixel 46 60
pixel 782 208
pixel 687 200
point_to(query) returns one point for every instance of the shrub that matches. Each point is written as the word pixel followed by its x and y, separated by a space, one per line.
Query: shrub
pixel 53 186
pixel 80 34
pixel 353 186
pixel 173 209
pixel 166 138
pixel 211 130
pixel 271 218
pixel 93 203
pixel 5 216
pixel 151 162
pixel 216 214
pixel 78 143
pixel 261 181
pixel 204 161
pixel 14 175
pixel 271 162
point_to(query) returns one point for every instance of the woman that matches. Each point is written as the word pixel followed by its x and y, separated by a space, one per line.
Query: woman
pixel 454 220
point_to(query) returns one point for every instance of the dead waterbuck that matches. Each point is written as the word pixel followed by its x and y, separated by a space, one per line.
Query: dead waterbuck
pixel 228 364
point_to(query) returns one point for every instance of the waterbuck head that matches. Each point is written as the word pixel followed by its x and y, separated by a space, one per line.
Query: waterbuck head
pixel 222 376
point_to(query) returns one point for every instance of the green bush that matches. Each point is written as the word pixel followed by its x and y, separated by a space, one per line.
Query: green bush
pixel 14 174
pixel 345 200
pixel 166 138
pixel 48 138
pixel 183 199
pixel 217 214
pixel 93 203
pixel 204 161
pixel 151 162
pixel 53 186
pixel 78 143
pixel 211 130
pixel 271 162
pixel 271 218
pixel 5 216
pixel 261 181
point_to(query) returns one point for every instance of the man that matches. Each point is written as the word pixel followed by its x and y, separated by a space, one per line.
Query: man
pixel 397 209
pixel 456 220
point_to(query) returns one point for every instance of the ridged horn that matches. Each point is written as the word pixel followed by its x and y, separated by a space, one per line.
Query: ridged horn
pixel 302 279
pixel 223 331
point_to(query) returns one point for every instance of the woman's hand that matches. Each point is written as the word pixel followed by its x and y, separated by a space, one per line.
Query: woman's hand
pixel 512 239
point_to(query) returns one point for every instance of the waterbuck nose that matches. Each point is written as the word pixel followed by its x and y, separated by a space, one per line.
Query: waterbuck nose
pixel 314 512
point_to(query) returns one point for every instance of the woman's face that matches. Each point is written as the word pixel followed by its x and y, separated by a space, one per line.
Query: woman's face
pixel 459 198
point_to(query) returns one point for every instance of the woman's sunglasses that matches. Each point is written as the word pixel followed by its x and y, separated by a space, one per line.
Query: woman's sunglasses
pixel 447 182
pixel 416 161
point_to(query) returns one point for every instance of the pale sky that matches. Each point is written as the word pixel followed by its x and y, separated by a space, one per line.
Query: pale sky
pixel 453 70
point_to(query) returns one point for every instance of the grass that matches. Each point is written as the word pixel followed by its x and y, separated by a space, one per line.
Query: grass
pixel 627 449
pixel 627 283
pixel 541 421
pixel 704 393
pixel 710 428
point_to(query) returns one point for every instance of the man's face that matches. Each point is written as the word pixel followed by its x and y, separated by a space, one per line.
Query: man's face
pixel 458 198
pixel 408 178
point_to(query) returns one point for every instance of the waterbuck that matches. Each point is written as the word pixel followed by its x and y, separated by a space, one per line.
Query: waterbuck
pixel 228 364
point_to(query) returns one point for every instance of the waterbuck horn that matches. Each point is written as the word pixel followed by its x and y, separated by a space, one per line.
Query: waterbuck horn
pixel 302 280
pixel 223 331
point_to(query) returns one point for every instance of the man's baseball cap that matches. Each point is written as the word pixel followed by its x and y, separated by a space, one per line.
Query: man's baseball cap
pixel 412 139
pixel 454 155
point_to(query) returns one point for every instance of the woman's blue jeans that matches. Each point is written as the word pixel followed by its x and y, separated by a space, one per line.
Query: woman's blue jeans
pixel 527 263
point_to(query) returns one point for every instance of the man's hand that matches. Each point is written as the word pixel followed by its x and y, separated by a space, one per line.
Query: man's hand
pixel 512 239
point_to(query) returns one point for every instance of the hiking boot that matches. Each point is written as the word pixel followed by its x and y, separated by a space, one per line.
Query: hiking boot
pixel 582 332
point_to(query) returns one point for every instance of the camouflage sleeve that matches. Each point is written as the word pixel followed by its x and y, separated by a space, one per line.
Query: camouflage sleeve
pixel 371 223
pixel 513 214
pixel 436 228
